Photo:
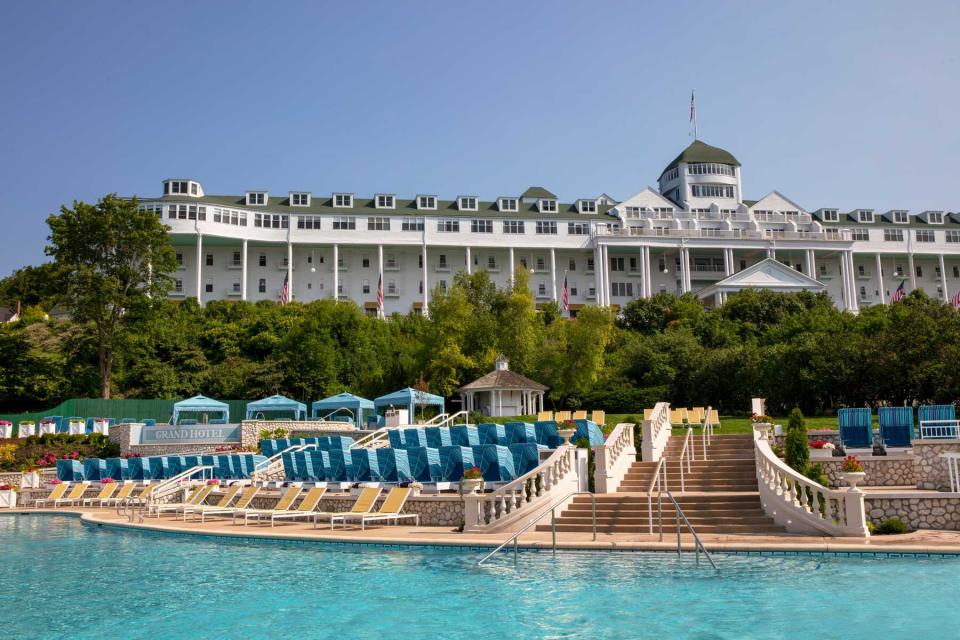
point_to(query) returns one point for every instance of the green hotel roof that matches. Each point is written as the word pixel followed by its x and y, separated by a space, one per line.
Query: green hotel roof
pixel 702 152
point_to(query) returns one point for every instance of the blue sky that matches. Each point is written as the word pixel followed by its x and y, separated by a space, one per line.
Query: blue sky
pixel 834 104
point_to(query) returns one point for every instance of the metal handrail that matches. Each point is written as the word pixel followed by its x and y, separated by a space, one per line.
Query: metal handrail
pixel 164 488
pixel 655 482
pixel 698 544
pixel 553 525
pixel 448 421
pixel 347 409
pixel 684 456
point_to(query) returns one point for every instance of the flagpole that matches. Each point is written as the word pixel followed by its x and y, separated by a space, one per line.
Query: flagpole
pixel 693 108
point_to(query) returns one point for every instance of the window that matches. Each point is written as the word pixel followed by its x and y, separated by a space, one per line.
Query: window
pixel 743 265
pixel 919 271
pixel 589 265
pixel 508 204
pixel 391 287
pixel 300 199
pixel 448 226
pixel 548 206
pixel 442 262
pixel 385 201
pixel 572 265
pixel 209 259
pixel 953 236
pixel 831 215
pixel 426 202
pixel 343 199
pixel 467 203
pixel 573 289
pixel 176 187
pixel 889 235
pixel 513 226
pixel 541 264
pixel 925 235
pixel 308 222
pixel 344 223
pixel 900 217
pixel 541 289
pixel 898 271
pixel 863 292
pixel 208 287
pixel 709 169
pixel 956 271
pixel 365 284
pixel 621 289
pixel 491 262
pixel 523 262
pixel 578 228
pixel 228 216
pixel 588 206
pixel 443 286
pixel 481 226
pixel 633 265
pixel 378 223
pixel 616 264
pixel 262 285
pixel 861 271
pixel 236 287
pixel 256 197
pixel 546 227
pixel 365 262
pixel 411 224
pixel 262 260
pixel 178 286
pixel 861 235
pixel 673 174
pixel 237 260
pixel 935 217
pixel 712 191
pixel 864 215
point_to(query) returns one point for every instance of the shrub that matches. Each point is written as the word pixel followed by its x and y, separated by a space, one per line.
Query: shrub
pixel 815 473
pixel 583 443
pixel 889 527
pixel 797 450
pixel 778 451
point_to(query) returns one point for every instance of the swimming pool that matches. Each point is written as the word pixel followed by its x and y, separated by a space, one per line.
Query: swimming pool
pixel 61 578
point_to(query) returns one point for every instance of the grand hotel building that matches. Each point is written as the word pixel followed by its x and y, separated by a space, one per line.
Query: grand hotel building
pixel 694 233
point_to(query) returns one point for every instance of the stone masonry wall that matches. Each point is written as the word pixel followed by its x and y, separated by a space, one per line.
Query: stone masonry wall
pixel 882 471
pixel 916 512
pixel 931 468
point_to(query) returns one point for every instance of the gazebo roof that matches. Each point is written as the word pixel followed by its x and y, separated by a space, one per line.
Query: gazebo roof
pixel 276 403
pixel 409 396
pixel 503 379
pixel 343 400
pixel 201 403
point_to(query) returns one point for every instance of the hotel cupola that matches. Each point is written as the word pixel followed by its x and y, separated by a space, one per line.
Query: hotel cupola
pixel 702 176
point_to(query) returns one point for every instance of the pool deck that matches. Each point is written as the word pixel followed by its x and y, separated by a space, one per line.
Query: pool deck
pixel 926 541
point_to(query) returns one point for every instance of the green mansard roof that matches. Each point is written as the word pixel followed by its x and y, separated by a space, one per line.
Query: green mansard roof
pixel 702 152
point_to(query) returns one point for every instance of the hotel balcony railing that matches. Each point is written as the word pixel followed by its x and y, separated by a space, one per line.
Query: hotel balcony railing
pixel 801 218
pixel 731 234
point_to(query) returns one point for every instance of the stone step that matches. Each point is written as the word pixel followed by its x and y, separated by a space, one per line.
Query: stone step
pixel 668 516
pixel 619 498
pixel 740 529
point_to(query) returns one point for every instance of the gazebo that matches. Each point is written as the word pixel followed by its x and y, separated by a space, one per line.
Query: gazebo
pixel 503 393
pixel 356 404
pixel 277 404
pixel 201 404
pixel 409 399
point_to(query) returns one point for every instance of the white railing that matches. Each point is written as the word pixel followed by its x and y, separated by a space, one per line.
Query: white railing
pixel 435 420
pixel 656 432
pixel 707 433
pixel 731 234
pixel 939 429
pixel 176 483
pixel 448 421
pixel 375 440
pixel 506 506
pixel 613 458
pixel 953 469
pixel 802 505
pixel 658 483
pixel 686 456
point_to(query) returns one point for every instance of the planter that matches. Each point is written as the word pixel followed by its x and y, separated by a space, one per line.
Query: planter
pixel 566 434
pixel 8 499
pixel 821 454
pixel 101 427
pixel 29 480
pixel 27 429
pixel 50 428
pixel 853 478
pixel 6 431
pixel 470 486
pixel 77 429
pixel 763 428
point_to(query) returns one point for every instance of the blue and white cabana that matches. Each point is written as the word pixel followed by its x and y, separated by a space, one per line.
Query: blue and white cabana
pixel 409 399
pixel 359 406
pixel 201 405
pixel 277 404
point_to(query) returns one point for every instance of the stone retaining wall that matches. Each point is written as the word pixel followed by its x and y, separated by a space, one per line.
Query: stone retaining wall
pixel 882 471
pixel 931 468
pixel 932 512
pixel 250 429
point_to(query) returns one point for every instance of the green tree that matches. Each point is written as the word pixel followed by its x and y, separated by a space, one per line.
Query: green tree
pixel 114 259
pixel 797 448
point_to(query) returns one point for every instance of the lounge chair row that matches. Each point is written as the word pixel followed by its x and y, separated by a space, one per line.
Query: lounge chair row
pixel 897 427
pixel 111 494
pixel 225 467
pixel 600 417
pixel 270 448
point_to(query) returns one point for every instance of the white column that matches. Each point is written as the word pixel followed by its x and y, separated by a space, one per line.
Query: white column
pixel 645 276
pixel 854 296
pixel 606 275
pixel 336 272
pixel 598 274
pixel 882 293
pixel 243 270
pixel 289 268
pixel 469 262
pixel 512 267
pixel 380 282
pixel 844 280
pixel 200 259
pixel 684 268
pixel 913 270
pixel 943 278
pixel 426 285
pixel 553 272
pixel 811 267
pixel 727 263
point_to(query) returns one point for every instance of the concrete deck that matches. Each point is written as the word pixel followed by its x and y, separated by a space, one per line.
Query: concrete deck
pixel 926 541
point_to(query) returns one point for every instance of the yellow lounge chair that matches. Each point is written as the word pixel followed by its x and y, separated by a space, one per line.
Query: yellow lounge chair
pixel 55 494
pixel 140 498
pixel 75 495
pixel 283 505
pixel 126 490
pixel 366 500
pixel 676 416
pixel 714 418
pixel 249 493
pixel 647 413
pixel 391 509
pixel 600 417
pixel 544 415
pixel 560 416
pixel 696 415
pixel 197 497
pixel 106 491
pixel 304 510
pixel 579 415
pixel 222 503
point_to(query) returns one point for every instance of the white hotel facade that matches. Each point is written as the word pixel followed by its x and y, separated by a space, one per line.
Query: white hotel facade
pixel 694 233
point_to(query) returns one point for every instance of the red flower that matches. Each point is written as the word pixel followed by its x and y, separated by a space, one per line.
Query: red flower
pixel 818 444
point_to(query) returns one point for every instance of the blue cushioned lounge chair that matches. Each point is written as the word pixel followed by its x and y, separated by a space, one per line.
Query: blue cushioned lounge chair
pixel 520 432
pixel 149 422
pixel 491 433
pixel 547 433
pixel 415 437
pixel 387 463
pixel 438 437
pixel 856 427
pixel 896 425
pixel 159 467
pixel 139 468
pixel 69 470
pixel 338 465
pixel 118 469
pixel 364 465
pixel 463 436
pixel 316 471
pixel 424 463
pixel 396 438
pixel 94 469
pixel 454 461
pixel 495 462
pixel 526 457
pixel 290 471
pixel 589 430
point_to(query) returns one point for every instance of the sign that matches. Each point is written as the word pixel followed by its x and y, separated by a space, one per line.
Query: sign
pixel 191 434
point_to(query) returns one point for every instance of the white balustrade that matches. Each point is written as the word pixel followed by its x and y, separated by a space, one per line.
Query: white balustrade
pixel 613 458
pixel 953 469
pixel 505 507
pixel 802 505
pixel 939 429
pixel 656 432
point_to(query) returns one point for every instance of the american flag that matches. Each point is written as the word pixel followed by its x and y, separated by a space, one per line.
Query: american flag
pixel 380 296
pixel 285 290
pixel 899 294
pixel 565 296
pixel 955 300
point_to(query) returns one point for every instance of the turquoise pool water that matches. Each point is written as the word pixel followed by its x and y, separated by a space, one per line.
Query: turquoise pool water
pixel 63 579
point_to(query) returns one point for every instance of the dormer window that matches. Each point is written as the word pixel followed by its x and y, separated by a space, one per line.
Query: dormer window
pixel 299 199
pixel 900 217
pixel 343 199
pixel 935 217
pixel 182 188
pixel 507 204
pixel 830 215
pixel 864 215
pixel 467 203
pixel 385 201
pixel 587 206
pixel 548 205
pixel 426 202
pixel 256 198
